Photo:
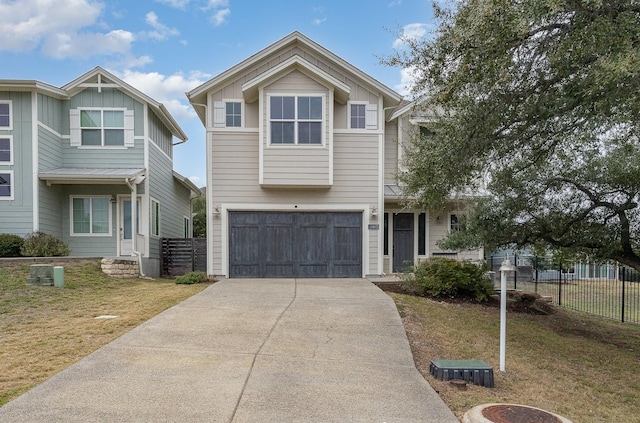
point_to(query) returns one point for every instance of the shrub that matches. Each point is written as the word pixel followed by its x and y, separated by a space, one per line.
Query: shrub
pixel 192 277
pixel 10 245
pixel 442 277
pixel 40 244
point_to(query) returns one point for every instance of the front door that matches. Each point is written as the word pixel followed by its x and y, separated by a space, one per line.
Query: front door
pixel 126 228
pixel 402 241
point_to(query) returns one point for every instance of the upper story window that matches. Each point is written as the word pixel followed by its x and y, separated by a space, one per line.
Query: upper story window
pixel 5 114
pixel 357 116
pixel 6 150
pixel 6 183
pixel 97 127
pixel 296 120
pixel 102 127
pixel 155 218
pixel 227 114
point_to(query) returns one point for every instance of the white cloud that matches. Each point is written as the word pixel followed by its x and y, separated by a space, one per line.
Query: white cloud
pixel 196 180
pixel 168 90
pixel 161 31
pixel 407 78
pixel 395 3
pixel 178 4
pixel 220 16
pixel 85 45
pixel 412 31
pixel 214 4
pixel 26 24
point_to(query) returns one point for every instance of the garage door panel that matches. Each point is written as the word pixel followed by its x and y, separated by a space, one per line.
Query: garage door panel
pixel 295 244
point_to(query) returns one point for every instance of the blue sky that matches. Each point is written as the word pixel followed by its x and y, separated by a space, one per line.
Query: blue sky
pixel 167 47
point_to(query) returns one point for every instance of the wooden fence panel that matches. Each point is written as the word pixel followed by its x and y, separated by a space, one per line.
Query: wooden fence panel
pixel 182 255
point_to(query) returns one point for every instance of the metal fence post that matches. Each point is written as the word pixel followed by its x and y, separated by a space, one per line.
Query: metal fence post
pixel 535 268
pixel 623 289
pixel 560 284
pixel 515 273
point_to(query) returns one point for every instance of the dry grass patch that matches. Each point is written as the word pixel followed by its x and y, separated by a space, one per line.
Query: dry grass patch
pixel 43 330
pixel 578 366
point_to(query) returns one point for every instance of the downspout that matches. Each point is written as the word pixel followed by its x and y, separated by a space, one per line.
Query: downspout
pixel 134 223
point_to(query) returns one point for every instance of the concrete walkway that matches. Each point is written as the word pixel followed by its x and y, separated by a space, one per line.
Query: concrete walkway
pixel 277 350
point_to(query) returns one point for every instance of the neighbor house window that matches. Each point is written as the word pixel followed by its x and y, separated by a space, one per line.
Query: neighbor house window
pixel 6 184
pixel 296 120
pixel 102 127
pixel 357 116
pixel 6 150
pixel 456 222
pixel 90 215
pixel 5 114
pixel 155 218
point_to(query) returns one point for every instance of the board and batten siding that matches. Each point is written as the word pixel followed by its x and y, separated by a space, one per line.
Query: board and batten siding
pixel 17 214
pixel 172 196
pixel 391 153
pixel 301 165
pixel 160 134
pixel 109 97
pixel 50 113
pixel 234 165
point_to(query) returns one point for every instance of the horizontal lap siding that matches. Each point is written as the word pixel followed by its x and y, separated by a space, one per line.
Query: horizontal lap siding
pixel 172 196
pixel 234 166
pixel 50 157
pixel 296 166
pixel 103 157
pixel 17 214
pixel 391 153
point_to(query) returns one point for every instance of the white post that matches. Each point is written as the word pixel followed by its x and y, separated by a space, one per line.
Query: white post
pixel 504 269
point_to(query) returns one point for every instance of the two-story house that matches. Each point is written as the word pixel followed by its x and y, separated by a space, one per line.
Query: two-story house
pixel 92 164
pixel 303 152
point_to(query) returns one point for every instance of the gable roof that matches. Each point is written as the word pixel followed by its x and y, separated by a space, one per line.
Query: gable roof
pixel 100 78
pixel 197 96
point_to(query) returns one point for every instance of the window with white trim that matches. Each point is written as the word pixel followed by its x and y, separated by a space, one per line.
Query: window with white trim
pixel 357 116
pixel 227 114
pixel 6 150
pixel 91 216
pixel 155 218
pixel 101 127
pixel 6 185
pixel 5 114
pixel 296 120
pixel 362 115
pixel 456 222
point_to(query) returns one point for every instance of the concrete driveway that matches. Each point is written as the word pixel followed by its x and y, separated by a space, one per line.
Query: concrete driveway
pixel 275 350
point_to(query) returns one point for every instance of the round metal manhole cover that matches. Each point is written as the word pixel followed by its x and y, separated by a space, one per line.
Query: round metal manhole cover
pixel 510 413
pixel 504 413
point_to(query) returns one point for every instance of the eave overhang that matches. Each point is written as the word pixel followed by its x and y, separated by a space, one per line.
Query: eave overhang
pixel 251 89
pixel 93 176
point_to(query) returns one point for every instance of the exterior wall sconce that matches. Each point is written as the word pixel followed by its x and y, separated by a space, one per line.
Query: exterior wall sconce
pixel 374 211
pixel 216 210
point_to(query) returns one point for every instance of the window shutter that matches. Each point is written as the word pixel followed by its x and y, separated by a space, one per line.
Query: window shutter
pixel 74 128
pixel 129 123
pixel 371 117
pixel 218 114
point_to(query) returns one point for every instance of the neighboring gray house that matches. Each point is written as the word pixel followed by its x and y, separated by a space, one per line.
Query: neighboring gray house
pixel 303 153
pixel 75 160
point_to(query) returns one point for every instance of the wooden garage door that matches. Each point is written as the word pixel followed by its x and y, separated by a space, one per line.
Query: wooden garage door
pixel 295 244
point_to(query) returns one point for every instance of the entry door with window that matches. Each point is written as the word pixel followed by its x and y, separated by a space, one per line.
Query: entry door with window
pixel 402 241
pixel 126 228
